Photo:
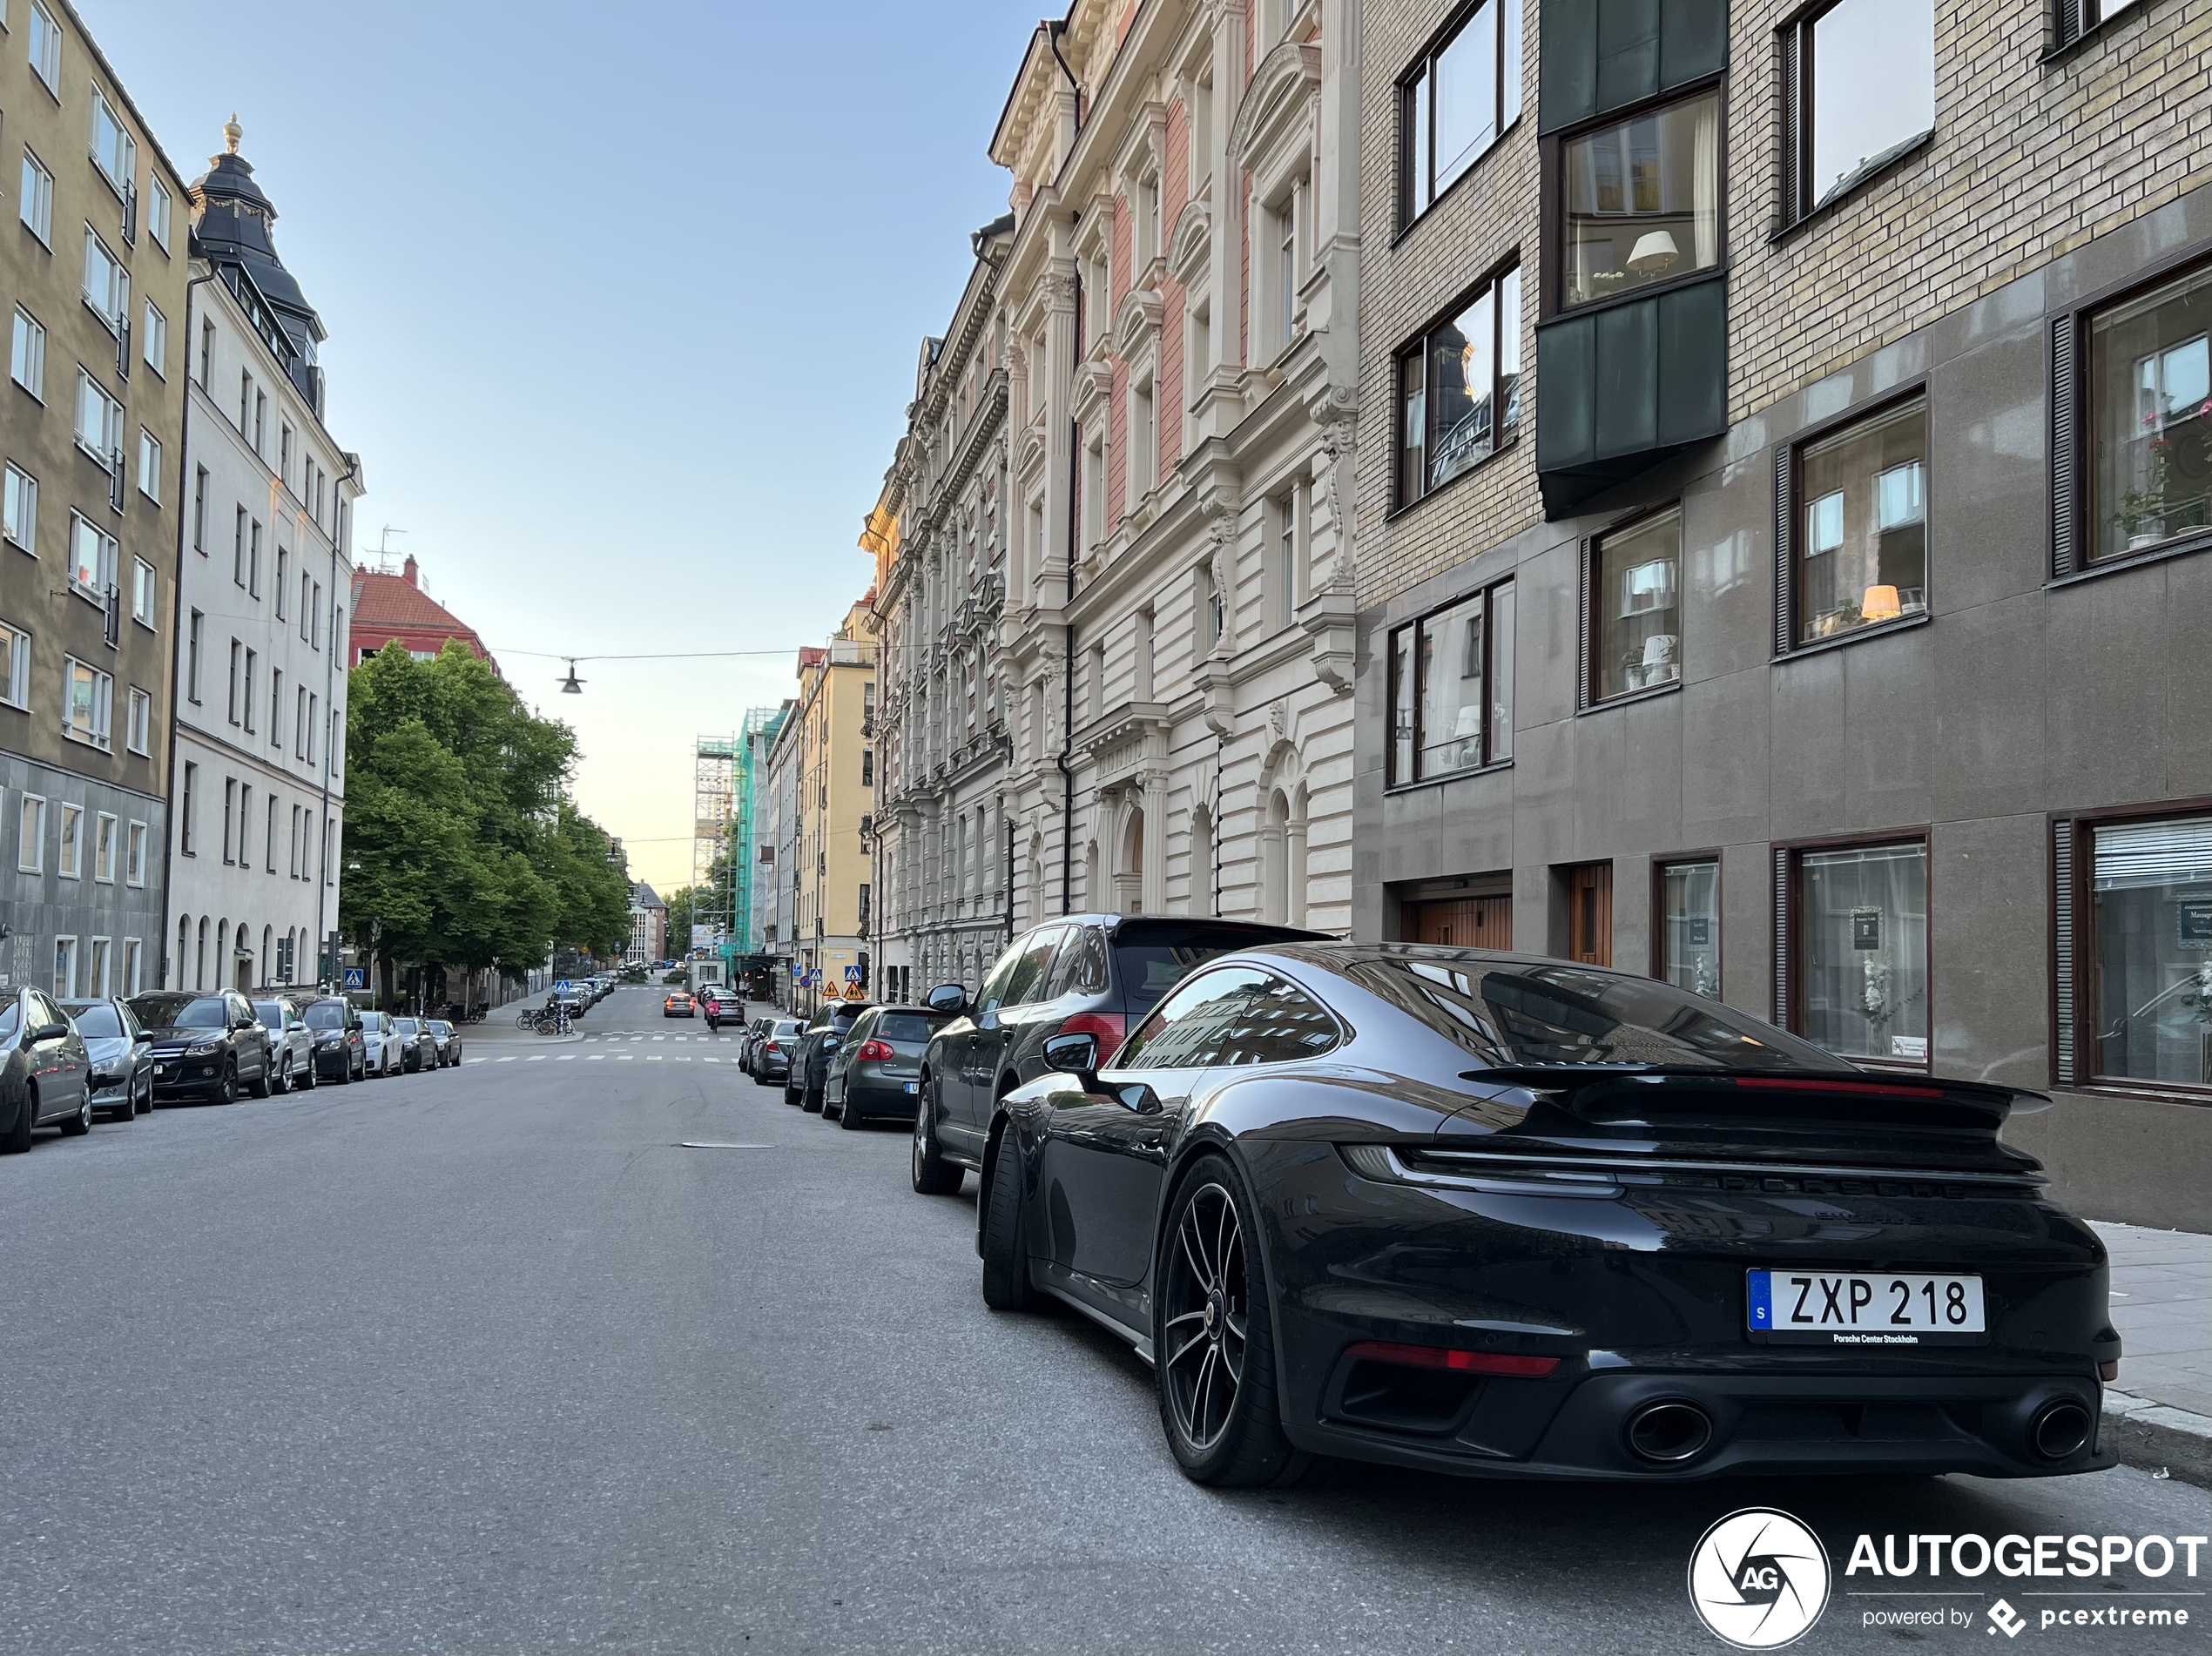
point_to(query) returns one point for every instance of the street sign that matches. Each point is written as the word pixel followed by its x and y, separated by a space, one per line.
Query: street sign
pixel 853 992
pixel 357 977
pixel 853 974
pixel 561 986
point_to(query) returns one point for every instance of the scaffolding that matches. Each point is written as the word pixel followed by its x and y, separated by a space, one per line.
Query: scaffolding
pixel 757 736
pixel 714 797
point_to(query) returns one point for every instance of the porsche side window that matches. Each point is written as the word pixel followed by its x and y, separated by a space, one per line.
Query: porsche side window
pixel 1081 968
pixel 993 994
pixel 1185 1030
pixel 1276 1024
pixel 1033 973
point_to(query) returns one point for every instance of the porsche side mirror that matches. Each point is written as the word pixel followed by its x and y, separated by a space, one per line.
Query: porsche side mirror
pixel 1075 1055
pixel 947 997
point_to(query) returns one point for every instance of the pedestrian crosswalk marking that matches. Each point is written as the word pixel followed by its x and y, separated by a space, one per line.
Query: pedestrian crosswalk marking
pixel 652 1058
pixel 537 1058
pixel 509 1059
pixel 595 1058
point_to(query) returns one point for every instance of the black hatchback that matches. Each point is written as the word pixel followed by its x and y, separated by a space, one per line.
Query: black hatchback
pixel 811 1050
pixel 1095 974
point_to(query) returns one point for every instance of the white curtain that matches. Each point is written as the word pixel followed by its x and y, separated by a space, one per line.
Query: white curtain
pixel 1706 223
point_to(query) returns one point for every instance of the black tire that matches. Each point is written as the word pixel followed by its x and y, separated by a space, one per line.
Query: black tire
pixel 847 1117
pixel 128 1111
pixel 811 1101
pixel 1213 1340
pixel 791 1093
pixel 145 1100
pixel 280 1083
pixel 229 1095
pixel 16 1139
pixel 77 1126
pixel 308 1078
pixel 933 1174
pixel 1006 1254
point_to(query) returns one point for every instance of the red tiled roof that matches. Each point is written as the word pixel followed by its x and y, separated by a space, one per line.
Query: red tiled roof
pixel 390 602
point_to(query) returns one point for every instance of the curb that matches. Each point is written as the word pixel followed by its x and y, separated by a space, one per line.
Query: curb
pixel 2157 1437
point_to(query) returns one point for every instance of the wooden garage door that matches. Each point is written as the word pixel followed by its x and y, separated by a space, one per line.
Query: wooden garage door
pixel 1467 922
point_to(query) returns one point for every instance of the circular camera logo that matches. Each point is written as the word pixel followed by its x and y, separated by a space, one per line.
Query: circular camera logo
pixel 1758 1579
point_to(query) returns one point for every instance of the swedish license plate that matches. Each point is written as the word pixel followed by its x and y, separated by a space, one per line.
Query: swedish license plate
pixel 161 1069
pixel 1866 1309
pixel 913 1087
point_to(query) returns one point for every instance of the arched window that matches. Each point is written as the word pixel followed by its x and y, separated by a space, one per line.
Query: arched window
pixel 1128 878
pixel 1274 860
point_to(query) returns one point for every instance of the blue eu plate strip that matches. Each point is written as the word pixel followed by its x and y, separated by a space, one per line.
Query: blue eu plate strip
pixel 1762 1300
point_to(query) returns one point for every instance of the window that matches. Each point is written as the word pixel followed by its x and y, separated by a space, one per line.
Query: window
pixel 143 582
pixel 1184 1030
pixel 244 402
pixel 238 660
pixel 1275 1024
pixel 261 420
pixel 305 609
pixel 114 150
pixel 92 557
pixel 99 422
pixel 134 956
pixel 27 361
pixel 36 203
pixel 14 666
pixel 1285 570
pixel 193 638
pixel 188 819
pixel 1859 91
pixel 70 864
pixel 867 767
pixel 46 47
pixel 107 284
pixel 268 845
pixel 238 548
pixel 1688 936
pixel 2146 946
pixel 1451 689
pixel 137 734
pixel 30 842
pixel 300 723
pixel 1855 548
pixel 252 661
pixel 159 207
pixel 2150 416
pixel 1858 924
pixel 96 965
pixel 19 509
pixel 315 713
pixel 1459 389
pixel 64 968
pixel 253 559
pixel 276 707
pixel 88 700
pixel 199 510
pixel 1635 640
pixel 1284 219
pixel 1642 200
pixel 134 855
pixel 1457 100
pixel 149 465
pixel 156 344
pixel 230 814
pixel 206 352
pixel 103 849
pixel 1144 443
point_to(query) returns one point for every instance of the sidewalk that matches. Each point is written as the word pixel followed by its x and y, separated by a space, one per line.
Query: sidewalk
pixel 2159 1413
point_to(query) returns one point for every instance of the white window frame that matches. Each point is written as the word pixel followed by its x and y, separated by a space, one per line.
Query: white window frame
pixel 134 956
pixel 99 734
pixel 125 158
pixel 104 829
pixel 80 525
pixel 160 203
pixel 30 833
pixel 46 48
pixel 89 390
pixel 27 353
pixel 14 689
pixel 99 956
pixel 65 981
pixel 36 207
pixel 69 859
pixel 19 509
pixel 138 727
pixel 112 306
pixel 149 465
pixel 145 591
pixel 134 853
pixel 155 346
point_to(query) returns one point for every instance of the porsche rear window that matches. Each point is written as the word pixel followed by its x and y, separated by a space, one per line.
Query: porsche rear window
pixel 1565 1014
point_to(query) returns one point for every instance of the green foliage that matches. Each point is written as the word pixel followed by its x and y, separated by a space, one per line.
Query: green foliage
pixel 461 847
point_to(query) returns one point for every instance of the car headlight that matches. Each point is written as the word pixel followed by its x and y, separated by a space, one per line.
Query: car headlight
pixel 331 1039
pixel 202 1049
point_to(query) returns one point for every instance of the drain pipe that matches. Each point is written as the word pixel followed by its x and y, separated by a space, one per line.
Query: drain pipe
pixel 330 756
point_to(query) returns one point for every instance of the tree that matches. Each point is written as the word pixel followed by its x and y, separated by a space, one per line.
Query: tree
pixel 461 848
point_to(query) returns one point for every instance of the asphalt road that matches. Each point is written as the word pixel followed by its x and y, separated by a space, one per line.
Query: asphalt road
pixel 485 1360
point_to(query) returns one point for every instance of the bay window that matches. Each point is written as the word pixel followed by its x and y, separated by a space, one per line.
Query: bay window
pixel 1642 200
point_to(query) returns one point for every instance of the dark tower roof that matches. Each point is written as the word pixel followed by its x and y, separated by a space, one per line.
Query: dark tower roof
pixel 232 217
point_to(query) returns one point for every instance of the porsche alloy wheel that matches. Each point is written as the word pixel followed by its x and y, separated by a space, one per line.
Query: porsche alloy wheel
pixel 1214 1342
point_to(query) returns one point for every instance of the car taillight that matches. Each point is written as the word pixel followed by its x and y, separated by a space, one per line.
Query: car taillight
pixel 1107 1025
pixel 1438 1356
pixel 875 1052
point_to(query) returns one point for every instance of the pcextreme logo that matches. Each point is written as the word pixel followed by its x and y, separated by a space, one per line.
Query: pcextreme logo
pixel 1758 1579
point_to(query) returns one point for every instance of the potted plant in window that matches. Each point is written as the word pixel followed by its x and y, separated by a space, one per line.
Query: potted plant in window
pixel 2141 516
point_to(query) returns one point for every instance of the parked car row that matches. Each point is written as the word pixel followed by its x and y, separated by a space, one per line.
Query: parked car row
pixel 1482 1213
pixel 62 1061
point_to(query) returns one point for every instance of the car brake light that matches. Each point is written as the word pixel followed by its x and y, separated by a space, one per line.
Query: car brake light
pixel 1437 1356
pixel 875 1052
pixel 773 1047
pixel 1107 1025
pixel 1786 1083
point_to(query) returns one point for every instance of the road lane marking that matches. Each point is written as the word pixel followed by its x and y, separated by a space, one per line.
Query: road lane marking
pixel 595 1058
pixel 537 1058
pixel 625 1058
pixel 653 1058
pixel 710 1060
pixel 704 1144
pixel 507 1060
pixel 565 1058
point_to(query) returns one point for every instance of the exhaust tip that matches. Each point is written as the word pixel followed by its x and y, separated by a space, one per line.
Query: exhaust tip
pixel 1669 1433
pixel 2062 1430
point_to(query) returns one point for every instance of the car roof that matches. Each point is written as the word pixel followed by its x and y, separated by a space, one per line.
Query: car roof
pixel 919 1011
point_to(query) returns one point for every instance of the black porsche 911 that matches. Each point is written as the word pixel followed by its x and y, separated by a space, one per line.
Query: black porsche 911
pixel 1493 1214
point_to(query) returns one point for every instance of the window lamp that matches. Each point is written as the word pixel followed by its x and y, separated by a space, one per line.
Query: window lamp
pixel 1642 198
pixel 1459 389
pixel 1852 508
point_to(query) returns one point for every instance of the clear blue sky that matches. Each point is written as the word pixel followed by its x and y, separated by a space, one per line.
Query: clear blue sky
pixel 624 301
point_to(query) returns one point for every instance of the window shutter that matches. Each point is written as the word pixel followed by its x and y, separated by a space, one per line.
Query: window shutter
pixel 1785 560
pixel 1792 172
pixel 1586 679
pixel 1782 943
pixel 2066 486
pixel 2067 23
pixel 2065 1063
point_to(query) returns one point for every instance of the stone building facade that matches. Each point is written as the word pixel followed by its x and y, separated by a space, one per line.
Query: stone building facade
pixel 265 584
pixel 941 823
pixel 1179 290
pixel 1783 519
pixel 93 431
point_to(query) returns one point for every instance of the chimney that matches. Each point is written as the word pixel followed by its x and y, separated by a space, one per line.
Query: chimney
pixel 411 569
